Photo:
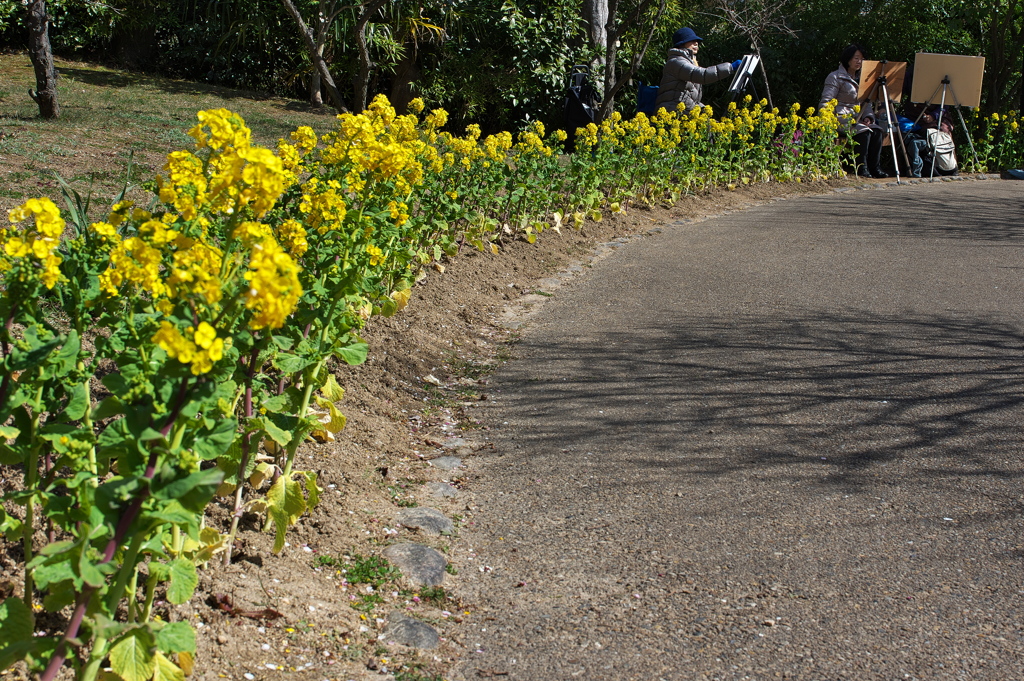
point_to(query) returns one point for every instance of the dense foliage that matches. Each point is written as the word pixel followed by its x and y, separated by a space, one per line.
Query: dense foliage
pixel 500 62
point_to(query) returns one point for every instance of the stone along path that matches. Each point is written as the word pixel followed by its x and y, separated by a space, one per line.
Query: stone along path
pixel 780 443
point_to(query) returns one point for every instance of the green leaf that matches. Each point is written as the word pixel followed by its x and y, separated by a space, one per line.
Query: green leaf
pixel 167 670
pixel 354 354
pixel 209 444
pixel 176 637
pixel 15 630
pixel 285 504
pixel 312 489
pixel 111 406
pixel 194 491
pixel 9 432
pixel 291 364
pixel 287 402
pixel 66 358
pixel 55 548
pixel 90 572
pixel 172 512
pixel 161 572
pixel 184 581
pixel 53 572
pixel 110 629
pixel 9 525
pixel 278 435
pixel 59 597
pixel 20 360
pixel 283 342
pixel 132 658
pixel 12 456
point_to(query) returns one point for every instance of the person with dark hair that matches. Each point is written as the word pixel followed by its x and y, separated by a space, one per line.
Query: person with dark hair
pixel 682 79
pixel 841 85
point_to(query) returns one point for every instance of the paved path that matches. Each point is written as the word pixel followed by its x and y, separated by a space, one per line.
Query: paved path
pixel 781 443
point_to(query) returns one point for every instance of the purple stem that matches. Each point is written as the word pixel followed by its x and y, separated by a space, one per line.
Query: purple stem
pixel 123 525
pixel 244 463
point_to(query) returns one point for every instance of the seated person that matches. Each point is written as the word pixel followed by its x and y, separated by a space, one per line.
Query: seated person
pixel 842 85
pixel 927 142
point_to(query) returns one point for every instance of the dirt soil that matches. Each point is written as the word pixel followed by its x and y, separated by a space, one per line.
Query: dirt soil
pixel 269 617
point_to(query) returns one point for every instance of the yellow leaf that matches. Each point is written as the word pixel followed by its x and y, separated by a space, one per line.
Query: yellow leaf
pixel 260 475
pixel 225 489
pixel 401 298
pixel 186 662
pixel 167 670
pixel 331 390
pixel 494 249
pixel 285 504
pixel 336 421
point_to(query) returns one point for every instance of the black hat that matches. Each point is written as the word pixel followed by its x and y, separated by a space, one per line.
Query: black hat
pixel 685 35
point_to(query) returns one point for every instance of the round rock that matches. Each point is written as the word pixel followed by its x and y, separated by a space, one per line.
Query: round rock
pixel 419 564
pixel 441 490
pixel 428 520
pixel 447 463
pixel 410 632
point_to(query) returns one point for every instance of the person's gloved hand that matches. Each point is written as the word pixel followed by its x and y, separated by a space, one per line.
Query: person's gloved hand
pixel 736 64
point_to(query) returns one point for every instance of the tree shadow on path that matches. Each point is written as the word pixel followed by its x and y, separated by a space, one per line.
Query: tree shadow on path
pixel 850 391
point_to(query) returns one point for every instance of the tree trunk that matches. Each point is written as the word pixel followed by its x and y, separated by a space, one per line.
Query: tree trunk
pixel 316 98
pixel 362 81
pixel 406 72
pixel 316 56
pixel 611 57
pixel 45 94
pixel 615 81
pixel 595 14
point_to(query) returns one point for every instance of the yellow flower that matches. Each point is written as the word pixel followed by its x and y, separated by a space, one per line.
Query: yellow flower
pixel 37 241
pixel 376 255
pixel 274 287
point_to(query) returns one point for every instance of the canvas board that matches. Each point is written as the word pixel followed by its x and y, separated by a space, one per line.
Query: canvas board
pixel 965 76
pixel 744 73
pixel 870 71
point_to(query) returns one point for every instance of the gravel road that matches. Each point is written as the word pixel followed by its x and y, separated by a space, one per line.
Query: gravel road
pixel 779 443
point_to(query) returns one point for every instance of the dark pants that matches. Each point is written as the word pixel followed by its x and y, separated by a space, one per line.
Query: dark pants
pixel 868 149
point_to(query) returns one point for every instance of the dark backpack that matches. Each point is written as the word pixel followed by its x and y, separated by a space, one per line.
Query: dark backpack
pixel 646 99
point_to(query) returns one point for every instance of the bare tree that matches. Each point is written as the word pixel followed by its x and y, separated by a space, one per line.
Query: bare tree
pixel 616 29
pixel 756 19
pixel 362 81
pixel 316 55
pixel 45 94
pixel 327 12
pixel 595 14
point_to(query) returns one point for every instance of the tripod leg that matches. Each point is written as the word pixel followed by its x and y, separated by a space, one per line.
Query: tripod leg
pixel 963 124
pixel 938 128
pixel 890 114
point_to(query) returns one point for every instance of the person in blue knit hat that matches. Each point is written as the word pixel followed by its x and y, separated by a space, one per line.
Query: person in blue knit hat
pixel 683 79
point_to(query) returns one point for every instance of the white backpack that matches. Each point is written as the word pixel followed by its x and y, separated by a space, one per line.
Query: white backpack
pixel 941 144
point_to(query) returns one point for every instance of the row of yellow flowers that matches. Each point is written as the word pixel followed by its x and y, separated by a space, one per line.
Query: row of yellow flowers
pixel 154 359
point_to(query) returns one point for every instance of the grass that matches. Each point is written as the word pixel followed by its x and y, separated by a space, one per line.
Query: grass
pixel 107 114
